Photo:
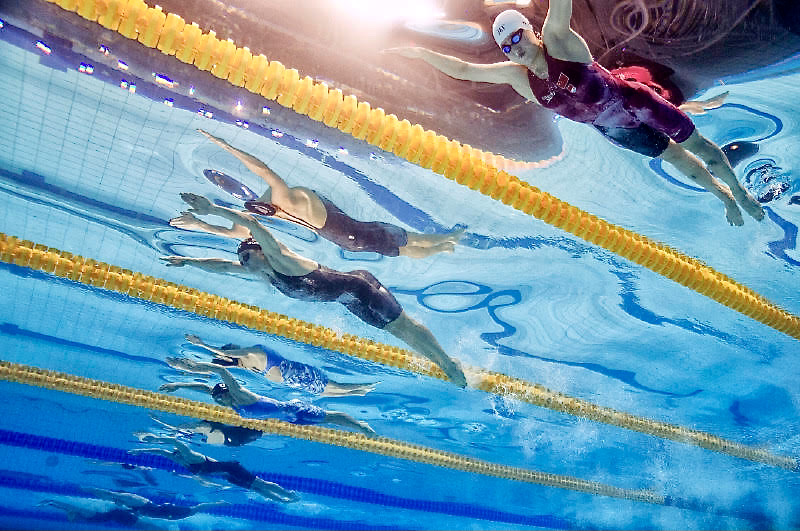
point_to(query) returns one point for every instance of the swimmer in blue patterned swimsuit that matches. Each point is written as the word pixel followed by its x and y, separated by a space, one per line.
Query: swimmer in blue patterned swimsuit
pixel 557 71
pixel 304 279
pixel 278 369
pixel 308 208
pixel 248 404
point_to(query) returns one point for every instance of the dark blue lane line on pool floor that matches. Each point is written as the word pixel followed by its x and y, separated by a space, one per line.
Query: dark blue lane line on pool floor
pixel 302 484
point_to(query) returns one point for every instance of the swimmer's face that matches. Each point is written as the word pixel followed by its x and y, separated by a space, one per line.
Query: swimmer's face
pixel 521 46
pixel 223 399
pixel 252 259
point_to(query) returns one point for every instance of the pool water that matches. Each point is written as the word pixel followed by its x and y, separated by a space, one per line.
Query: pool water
pixel 91 167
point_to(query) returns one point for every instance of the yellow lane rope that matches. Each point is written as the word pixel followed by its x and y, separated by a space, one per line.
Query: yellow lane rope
pixel 101 390
pixel 99 274
pixel 471 167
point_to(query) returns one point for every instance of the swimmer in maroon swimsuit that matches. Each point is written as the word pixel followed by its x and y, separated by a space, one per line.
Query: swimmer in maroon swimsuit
pixel 558 72
pixel 306 207
pixel 302 278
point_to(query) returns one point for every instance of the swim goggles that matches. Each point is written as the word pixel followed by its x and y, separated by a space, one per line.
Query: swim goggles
pixel 515 38
pixel 258 207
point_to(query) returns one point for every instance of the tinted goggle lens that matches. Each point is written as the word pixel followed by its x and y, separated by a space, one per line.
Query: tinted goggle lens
pixel 515 38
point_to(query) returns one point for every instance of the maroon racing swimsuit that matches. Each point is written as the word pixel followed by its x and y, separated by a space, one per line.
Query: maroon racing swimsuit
pixel 628 113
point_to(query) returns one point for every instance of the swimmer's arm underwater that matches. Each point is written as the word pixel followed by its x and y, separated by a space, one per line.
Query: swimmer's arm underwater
pixel 212 265
pixel 278 185
pixel 504 72
pixel 203 207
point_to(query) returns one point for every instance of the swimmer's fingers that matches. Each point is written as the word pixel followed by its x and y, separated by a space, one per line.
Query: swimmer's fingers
pixel 185 364
pixel 174 261
pixel 194 340
pixel 186 218
pixel 366 428
pixel 200 205
pixel 169 387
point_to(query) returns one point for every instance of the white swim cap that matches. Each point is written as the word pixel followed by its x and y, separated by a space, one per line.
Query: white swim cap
pixel 507 23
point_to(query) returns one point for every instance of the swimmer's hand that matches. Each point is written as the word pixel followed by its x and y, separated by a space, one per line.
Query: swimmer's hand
pixel 365 428
pixel 186 220
pixel 175 261
pixel 199 204
pixel 409 52
pixel 170 387
pixel 194 340
pixel 185 364
pixel 215 139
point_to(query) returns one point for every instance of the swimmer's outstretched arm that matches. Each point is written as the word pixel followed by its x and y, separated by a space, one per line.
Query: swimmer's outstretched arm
pixel 192 386
pixel 345 420
pixel 187 221
pixel 212 265
pixel 239 394
pixel 229 354
pixel 203 207
pixel 122 498
pixel 279 187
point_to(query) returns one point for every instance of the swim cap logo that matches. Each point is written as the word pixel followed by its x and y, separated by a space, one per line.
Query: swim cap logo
pixel 501 28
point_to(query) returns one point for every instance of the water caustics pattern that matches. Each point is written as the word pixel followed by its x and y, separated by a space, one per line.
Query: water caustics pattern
pixel 93 167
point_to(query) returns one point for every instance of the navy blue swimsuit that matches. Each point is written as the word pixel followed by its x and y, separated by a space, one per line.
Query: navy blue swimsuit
pixel 354 235
pixel 293 411
pixel 295 374
pixel 359 291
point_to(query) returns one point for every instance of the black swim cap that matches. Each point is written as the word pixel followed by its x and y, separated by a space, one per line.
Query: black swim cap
pixel 219 390
pixel 247 244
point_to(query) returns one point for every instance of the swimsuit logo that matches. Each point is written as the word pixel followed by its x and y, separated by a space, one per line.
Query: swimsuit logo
pixel 564 84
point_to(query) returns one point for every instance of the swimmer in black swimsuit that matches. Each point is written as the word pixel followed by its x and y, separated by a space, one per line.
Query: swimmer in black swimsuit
pixel 203 466
pixel 232 394
pixel 558 72
pixel 215 433
pixel 128 508
pixel 301 278
pixel 278 369
pixel 306 207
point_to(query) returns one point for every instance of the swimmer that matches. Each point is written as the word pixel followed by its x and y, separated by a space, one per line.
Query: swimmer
pixel 278 369
pixel 128 508
pixel 203 466
pixel 308 208
pixel 558 72
pixel 216 433
pixel 301 278
pixel 247 404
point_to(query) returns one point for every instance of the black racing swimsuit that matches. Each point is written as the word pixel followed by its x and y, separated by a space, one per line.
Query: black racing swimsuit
pixel 354 235
pixel 233 471
pixel 359 291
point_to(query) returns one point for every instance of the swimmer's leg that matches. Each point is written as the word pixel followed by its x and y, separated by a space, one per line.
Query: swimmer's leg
pixel 692 167
pixel 416 239
pixel 413 251
pixel 273 491
pixel 334 389
pixel 718 164
pixel 419 338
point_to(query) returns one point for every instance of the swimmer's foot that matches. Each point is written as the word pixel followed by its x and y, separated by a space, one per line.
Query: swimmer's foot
pixel 734 215
pixel 456 234
pixel 750 205
pixel 452 369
